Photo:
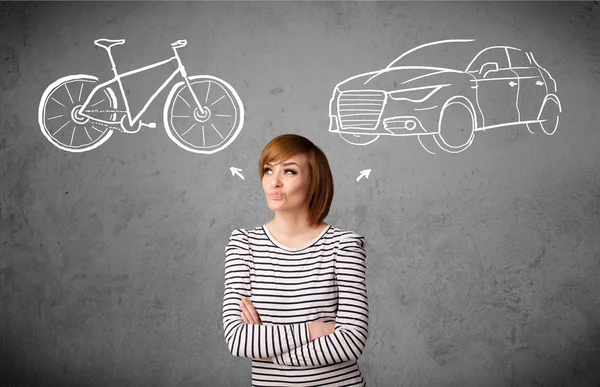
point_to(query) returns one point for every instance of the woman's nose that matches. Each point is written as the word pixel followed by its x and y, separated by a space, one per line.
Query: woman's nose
pixel 275 181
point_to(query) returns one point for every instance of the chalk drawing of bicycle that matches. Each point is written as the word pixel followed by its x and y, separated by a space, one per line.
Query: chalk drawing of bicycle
pixel 202 113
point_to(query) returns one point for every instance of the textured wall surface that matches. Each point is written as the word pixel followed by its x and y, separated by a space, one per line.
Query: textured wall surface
pixel 483 266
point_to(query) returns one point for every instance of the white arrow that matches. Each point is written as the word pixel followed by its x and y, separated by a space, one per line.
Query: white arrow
pixel 236 171
pixel 364 173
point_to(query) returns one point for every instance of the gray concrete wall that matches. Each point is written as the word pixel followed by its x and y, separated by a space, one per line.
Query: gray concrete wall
pixel 483 266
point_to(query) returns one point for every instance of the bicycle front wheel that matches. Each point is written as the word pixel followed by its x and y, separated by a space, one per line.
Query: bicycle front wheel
pixel 59 113
pixel 210 130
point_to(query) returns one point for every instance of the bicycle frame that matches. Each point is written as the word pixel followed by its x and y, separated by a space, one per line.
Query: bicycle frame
pixel 179 70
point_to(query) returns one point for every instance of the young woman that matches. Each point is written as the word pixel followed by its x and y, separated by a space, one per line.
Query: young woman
pixel 295 297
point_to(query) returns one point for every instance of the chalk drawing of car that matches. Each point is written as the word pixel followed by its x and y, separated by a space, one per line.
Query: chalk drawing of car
pixel 441 90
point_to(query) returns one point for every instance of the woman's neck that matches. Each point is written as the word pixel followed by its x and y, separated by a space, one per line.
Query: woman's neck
pixel 290 227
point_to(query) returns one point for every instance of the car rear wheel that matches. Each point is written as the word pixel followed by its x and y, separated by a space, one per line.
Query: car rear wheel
pixel 456 128
pixel 548 116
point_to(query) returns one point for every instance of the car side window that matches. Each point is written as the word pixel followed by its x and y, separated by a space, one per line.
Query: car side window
pixel 487 60
pixel 518 58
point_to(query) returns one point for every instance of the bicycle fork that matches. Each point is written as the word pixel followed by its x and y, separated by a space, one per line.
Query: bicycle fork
pixel 203 112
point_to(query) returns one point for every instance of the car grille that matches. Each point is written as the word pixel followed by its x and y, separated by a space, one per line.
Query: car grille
pixel 360 109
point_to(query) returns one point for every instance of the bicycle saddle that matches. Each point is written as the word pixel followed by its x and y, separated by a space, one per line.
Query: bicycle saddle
pixel 179 43
pixel 108 43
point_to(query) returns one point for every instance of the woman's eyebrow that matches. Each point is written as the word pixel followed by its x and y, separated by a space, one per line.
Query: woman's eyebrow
pixel 284 164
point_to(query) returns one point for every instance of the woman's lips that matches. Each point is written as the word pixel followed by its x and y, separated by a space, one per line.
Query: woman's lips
pixel 276 196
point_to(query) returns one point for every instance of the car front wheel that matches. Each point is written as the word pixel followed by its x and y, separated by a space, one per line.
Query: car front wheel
pixel 456 127
pixel 359 139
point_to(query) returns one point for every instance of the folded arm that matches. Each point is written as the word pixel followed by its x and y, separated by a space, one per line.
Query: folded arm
pixel 251 340
pixel 348 340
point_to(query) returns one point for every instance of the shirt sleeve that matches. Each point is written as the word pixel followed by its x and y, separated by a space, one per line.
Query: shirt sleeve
pixel 251 340
pixel 348 340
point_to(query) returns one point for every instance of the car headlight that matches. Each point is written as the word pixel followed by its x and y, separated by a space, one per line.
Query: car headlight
pixel 333 101
pixel 417 94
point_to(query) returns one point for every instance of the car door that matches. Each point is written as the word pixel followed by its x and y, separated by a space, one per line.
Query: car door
pixel 532 87
pixel 497 87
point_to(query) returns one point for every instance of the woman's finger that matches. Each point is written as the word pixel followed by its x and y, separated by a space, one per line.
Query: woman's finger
pixel 246 315
pixel 330 328
pixel 252 311
pixel 243 316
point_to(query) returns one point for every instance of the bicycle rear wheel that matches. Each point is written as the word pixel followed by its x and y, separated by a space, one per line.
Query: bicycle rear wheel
pixel 59 113
pixel 212 131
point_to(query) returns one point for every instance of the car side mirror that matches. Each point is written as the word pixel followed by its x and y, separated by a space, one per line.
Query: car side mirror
pixel 487 67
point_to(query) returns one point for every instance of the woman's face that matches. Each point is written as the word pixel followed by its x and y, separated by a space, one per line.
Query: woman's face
pixel 286 184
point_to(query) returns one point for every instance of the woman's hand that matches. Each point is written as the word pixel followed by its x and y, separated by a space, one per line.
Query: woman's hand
pixel 319 329
pixel 250 315
pixel 316 329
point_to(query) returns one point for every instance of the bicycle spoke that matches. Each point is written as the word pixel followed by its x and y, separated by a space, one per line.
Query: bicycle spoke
pixel 98 102
pixel 207 91
pixel 217 100
pixel 188 130
pixel 86 132
pixel 73 136
pixel 179 95
pixel 55 100
pixel 68 92
pixel 216 128
pixel 61 127
pixel 80 90
pixel 78 133
pixel 96 129
pixel 211 124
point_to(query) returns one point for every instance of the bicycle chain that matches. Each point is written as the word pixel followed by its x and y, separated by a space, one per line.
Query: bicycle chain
pixel 113 127
pixel 108 126
pixel 105 111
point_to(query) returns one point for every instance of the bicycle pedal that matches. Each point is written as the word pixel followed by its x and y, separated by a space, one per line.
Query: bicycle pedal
pixel 151 125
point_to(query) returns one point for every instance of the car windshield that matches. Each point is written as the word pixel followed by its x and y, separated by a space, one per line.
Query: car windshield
pixel 451 54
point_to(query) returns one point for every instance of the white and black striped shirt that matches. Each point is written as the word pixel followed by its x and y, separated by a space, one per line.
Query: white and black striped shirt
pixel 323 280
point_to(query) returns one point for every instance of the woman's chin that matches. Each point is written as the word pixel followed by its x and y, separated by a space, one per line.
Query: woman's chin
pixel 274 206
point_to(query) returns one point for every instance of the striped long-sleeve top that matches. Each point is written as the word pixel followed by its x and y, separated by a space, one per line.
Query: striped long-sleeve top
pixel 324 280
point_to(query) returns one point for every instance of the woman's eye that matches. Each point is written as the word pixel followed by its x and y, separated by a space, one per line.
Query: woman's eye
pixel 267 171
pixel 290 171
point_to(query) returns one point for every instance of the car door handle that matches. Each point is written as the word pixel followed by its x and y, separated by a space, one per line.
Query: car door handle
pixel 539 83
pixel 512 84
